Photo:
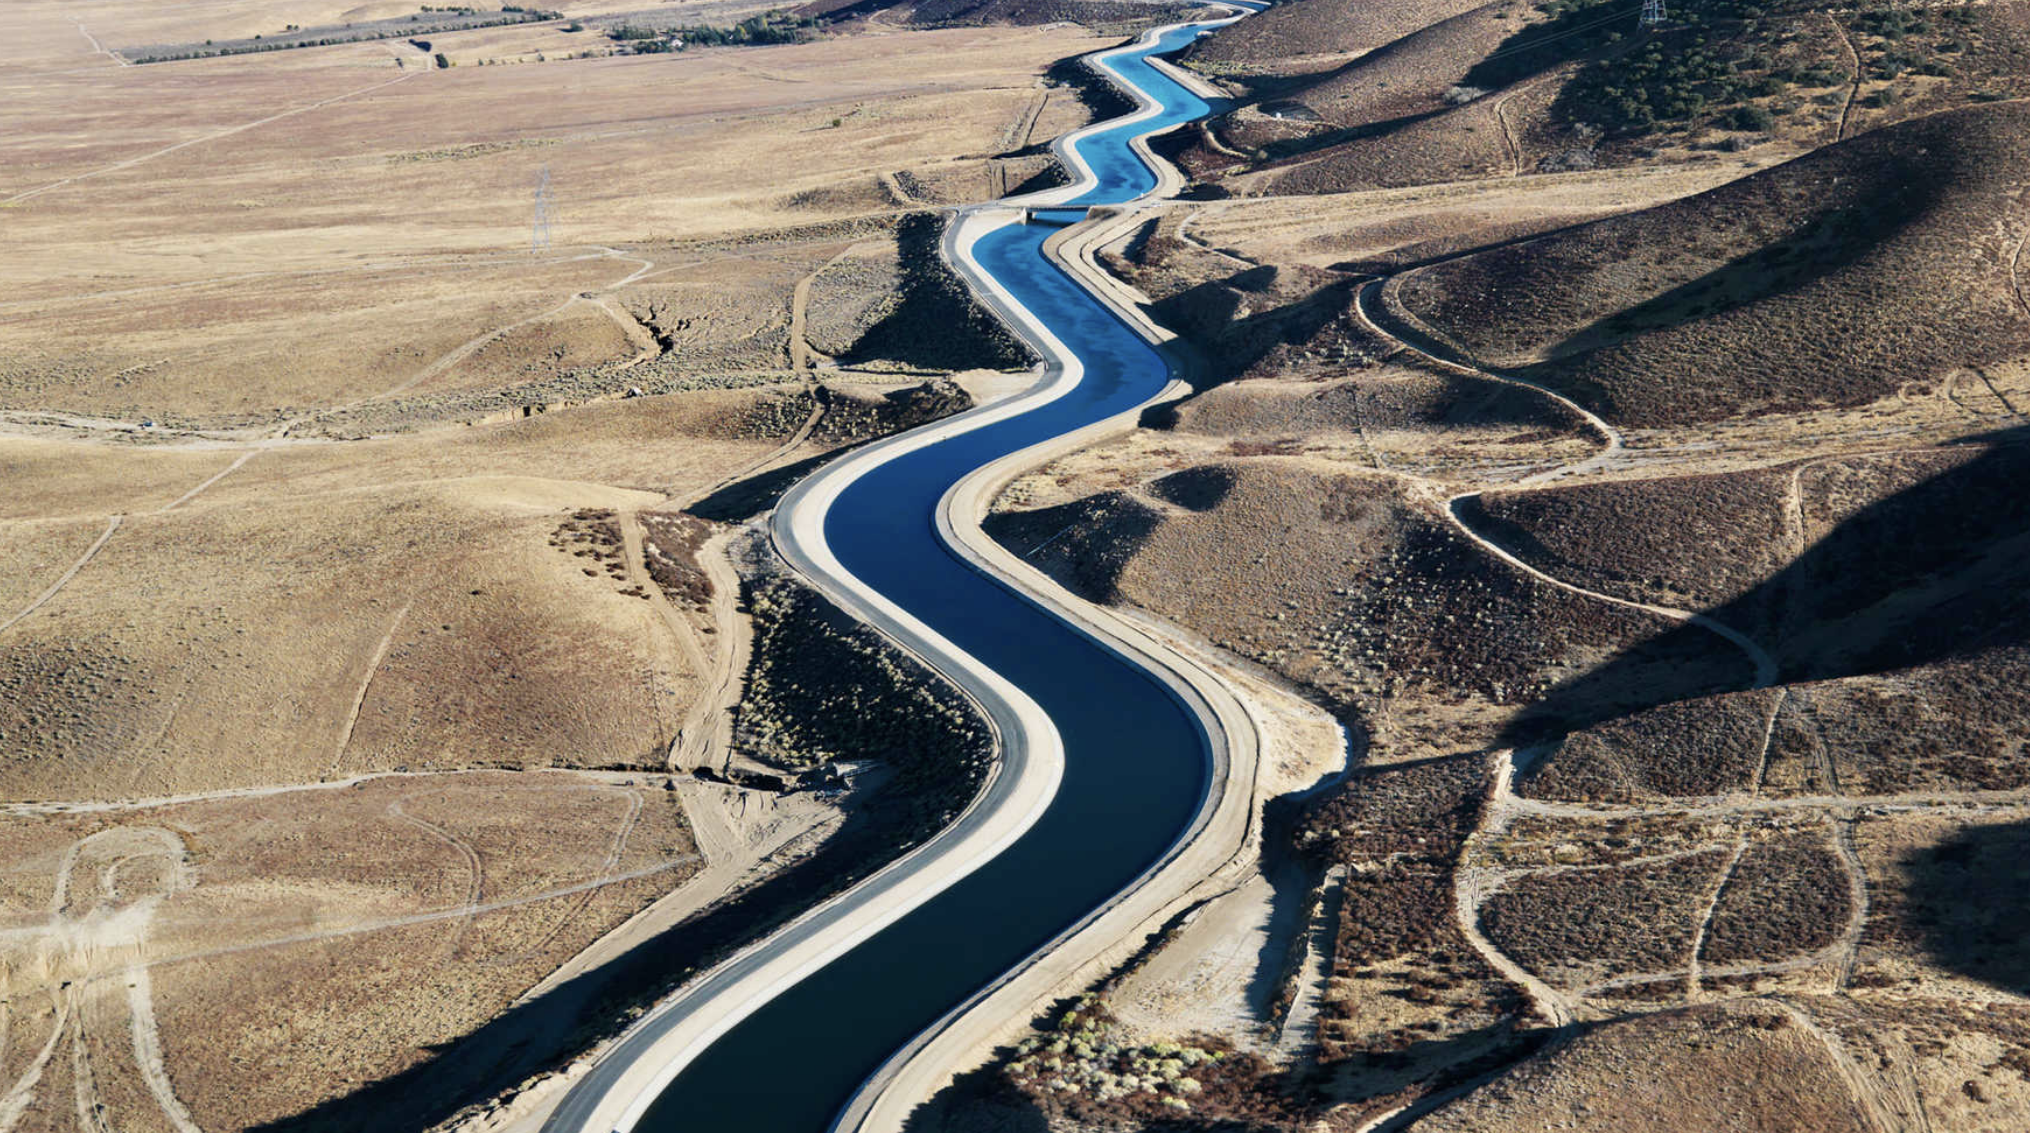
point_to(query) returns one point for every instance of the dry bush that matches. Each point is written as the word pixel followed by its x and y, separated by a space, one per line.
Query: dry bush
pixel 1422 811
pixel 1081 1066
pixel 856 414
pixel 670 544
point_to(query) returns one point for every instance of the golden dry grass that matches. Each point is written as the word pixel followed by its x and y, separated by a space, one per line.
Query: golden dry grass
pixel 344 251
pixel 381 918
pixel 264 254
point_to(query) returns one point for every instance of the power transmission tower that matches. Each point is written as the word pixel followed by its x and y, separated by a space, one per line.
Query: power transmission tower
pixel 539 233
pixel 1652 13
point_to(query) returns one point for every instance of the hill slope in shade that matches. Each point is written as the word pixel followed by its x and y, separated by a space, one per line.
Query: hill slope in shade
pixel 1831 280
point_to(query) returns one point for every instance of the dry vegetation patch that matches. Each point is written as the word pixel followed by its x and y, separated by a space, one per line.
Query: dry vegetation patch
pixel 1705 746
pixel 1580 925
pixel 1747 1067
pixel 1685 541
pixel 1787 897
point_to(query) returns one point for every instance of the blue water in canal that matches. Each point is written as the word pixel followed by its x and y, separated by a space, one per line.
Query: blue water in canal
pixel 1135 761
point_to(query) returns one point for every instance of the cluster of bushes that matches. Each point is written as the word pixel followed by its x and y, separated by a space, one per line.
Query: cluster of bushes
pixel 1708 746
pixel 594 533
pixel 850 418
pixel 1583 924
pixel 1704 65
pixel 670 551
pixel 449 20
pixel 1080 1066
pixel 821 687
pixel 1786 897
pixel 779 26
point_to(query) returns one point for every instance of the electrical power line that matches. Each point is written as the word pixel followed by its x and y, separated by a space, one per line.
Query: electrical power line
pixel 1568 33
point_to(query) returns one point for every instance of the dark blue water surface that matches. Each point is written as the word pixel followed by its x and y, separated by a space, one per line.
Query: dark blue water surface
pixel 1135 760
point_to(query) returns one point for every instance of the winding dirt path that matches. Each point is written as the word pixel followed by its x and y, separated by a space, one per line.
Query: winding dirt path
pixel 100 48
pixel 475 869
pixel 1472 885
pixel 1712 904
pixel 1509 140
pixel 366 684
pixel 1854 88
pixel 1371 307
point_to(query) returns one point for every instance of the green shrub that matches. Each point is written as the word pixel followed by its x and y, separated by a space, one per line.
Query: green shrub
pixel 1751 118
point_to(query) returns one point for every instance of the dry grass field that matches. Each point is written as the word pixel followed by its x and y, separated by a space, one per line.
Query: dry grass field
pixel 351 622
pixel 172 260
pixel 377 918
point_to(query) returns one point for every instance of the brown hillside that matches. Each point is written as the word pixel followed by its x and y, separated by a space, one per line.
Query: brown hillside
pixel 1350 583
pixel 1458 145
pixel 1285 38
pixel 1409 76
pixel 1746 1067
pixel 1686 541
pixel 1831 280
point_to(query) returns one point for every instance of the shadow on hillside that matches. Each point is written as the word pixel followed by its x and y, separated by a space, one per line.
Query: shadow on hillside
pixel 1938 570
pixel 1084 544
pixel 1964 905
pixel 1285 149
pixel 979 1101
pixel 1898 194
pixel 1210 316
pixel 935 324
pixel 746 498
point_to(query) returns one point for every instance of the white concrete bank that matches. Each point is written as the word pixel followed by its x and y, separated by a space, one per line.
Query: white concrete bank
pixel 632 1070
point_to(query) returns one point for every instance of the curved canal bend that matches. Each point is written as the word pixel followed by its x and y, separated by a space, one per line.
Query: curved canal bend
pixel 1135 760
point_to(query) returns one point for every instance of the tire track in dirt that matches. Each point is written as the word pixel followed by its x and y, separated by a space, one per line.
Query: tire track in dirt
pixel 1865 1088
pixel 1706 915
pixel 1509 140
pixel 212 137
pixel 21 1094
pixel 1854 89
pixel 366 684
pixel 615 850
pixel 100 48
pixel 148 1050
pixel 475 869
pixel 430 917
pixel 208 482
pixel 63 580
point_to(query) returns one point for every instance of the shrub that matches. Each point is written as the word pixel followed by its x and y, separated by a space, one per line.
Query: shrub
pixel 1753 118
